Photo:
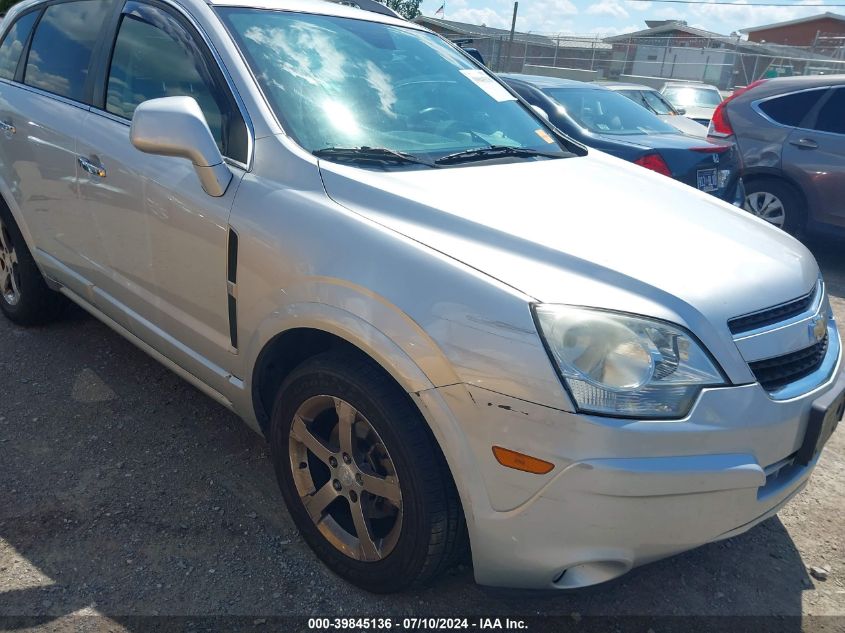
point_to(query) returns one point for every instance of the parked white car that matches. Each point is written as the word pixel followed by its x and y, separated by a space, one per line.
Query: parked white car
pixel 698 101
pixel 657 104
pixel 453 325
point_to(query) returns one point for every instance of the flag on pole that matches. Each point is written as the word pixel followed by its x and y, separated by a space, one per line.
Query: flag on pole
pixel 441 11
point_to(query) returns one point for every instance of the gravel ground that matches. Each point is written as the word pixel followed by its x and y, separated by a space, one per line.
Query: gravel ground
pixel 125 492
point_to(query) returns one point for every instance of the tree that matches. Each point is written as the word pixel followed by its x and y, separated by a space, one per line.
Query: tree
pixel 408 9
pixel 5 5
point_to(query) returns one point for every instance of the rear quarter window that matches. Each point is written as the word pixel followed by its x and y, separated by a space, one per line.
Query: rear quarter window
pixel 791 109
pixel 13 43
pixel 61 48
pixel 832 114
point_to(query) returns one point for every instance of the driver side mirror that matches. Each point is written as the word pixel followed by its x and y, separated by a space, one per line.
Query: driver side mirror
pixel 175 126
pixel 681 110
pixel 542 113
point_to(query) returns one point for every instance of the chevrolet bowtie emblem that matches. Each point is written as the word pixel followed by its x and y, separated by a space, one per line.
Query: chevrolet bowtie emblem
pixel 818 328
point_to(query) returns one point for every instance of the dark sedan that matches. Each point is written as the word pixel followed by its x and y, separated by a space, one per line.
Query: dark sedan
pixel 607 121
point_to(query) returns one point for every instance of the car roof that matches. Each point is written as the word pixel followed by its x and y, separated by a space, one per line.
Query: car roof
pixel 621 85
pixel 351 9
pixel 780 85
pixel 687 84
pixel 542 82
pixel 360 11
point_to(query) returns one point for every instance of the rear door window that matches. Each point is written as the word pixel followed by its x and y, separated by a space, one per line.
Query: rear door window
pixel 60 55
pixel 13 43
pixel 832 114
pixel 791 109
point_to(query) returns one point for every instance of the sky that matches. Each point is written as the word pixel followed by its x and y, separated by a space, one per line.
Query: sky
pixel 612 17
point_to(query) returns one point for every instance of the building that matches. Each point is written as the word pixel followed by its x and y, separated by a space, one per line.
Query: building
pixel 675 50
pixel 527 48
pixel 824 33
pixel 672 49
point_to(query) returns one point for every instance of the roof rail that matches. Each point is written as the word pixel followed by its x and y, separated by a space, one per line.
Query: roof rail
pixel 369 5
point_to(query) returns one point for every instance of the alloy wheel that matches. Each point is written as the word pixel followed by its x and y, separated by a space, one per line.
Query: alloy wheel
pixel 766 206
pixel 9 275
pixel 345 478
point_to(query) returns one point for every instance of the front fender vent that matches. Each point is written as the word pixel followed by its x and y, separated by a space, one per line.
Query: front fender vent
pixel 232 286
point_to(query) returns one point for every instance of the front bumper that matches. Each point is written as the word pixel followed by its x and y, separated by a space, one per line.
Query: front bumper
pixel 623 492
pixel 601 518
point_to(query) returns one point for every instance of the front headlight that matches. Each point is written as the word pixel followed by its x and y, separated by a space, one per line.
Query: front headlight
pixel 617 364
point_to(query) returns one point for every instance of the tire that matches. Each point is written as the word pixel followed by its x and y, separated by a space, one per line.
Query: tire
pixel 417 528
pixel 25 298
pixel 777 203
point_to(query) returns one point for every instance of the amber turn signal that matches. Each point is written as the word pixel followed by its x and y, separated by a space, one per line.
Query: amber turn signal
pixel 520 461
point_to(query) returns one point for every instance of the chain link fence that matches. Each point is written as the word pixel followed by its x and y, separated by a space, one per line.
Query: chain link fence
pixel 725 62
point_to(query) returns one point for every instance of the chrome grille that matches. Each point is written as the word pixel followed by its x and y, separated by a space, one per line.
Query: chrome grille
pixel 770 316
pixel 774 373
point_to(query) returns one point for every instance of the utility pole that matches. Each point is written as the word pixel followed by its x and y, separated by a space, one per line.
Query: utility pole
pixel 510 40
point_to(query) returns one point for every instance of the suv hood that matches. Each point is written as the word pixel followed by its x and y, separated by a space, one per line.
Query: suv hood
pixel 592 231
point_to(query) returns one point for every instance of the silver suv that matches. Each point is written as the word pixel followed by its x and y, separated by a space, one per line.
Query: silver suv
pixel 456 327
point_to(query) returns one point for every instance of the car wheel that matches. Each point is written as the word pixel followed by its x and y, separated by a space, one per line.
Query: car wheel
pixel 24 296
pixel 362 476
pixel 776 203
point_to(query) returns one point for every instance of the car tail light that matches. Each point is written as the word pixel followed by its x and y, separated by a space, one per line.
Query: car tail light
pixel 654 162
pixel 720 125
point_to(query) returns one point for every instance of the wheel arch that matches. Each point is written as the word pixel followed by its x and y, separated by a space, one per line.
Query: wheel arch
pixel 310 328
pixel 768 173
pixel 280 356
pixel 17 215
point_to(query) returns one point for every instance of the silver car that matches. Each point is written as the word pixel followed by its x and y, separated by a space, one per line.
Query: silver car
pixel 454 326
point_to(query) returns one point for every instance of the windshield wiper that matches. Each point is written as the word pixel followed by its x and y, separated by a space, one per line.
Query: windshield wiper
pixel 494 151
pixel 382 155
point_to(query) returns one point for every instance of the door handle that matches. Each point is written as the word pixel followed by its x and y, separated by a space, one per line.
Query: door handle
pixel 91 168
pixel 7 128
pixel 805 143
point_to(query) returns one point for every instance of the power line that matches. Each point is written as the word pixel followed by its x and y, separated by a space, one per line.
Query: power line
pixel 742 4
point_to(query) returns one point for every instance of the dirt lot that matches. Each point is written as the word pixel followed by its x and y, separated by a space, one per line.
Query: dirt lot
pixel 125 492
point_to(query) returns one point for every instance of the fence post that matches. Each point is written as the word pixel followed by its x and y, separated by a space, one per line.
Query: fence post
pixel 510 39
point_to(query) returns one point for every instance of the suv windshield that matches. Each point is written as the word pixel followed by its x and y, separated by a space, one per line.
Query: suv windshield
pixel 348 87
pixel 606 112
pixel 684 96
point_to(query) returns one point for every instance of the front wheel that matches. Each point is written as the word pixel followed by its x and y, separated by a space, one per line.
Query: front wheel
pixel 361 475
